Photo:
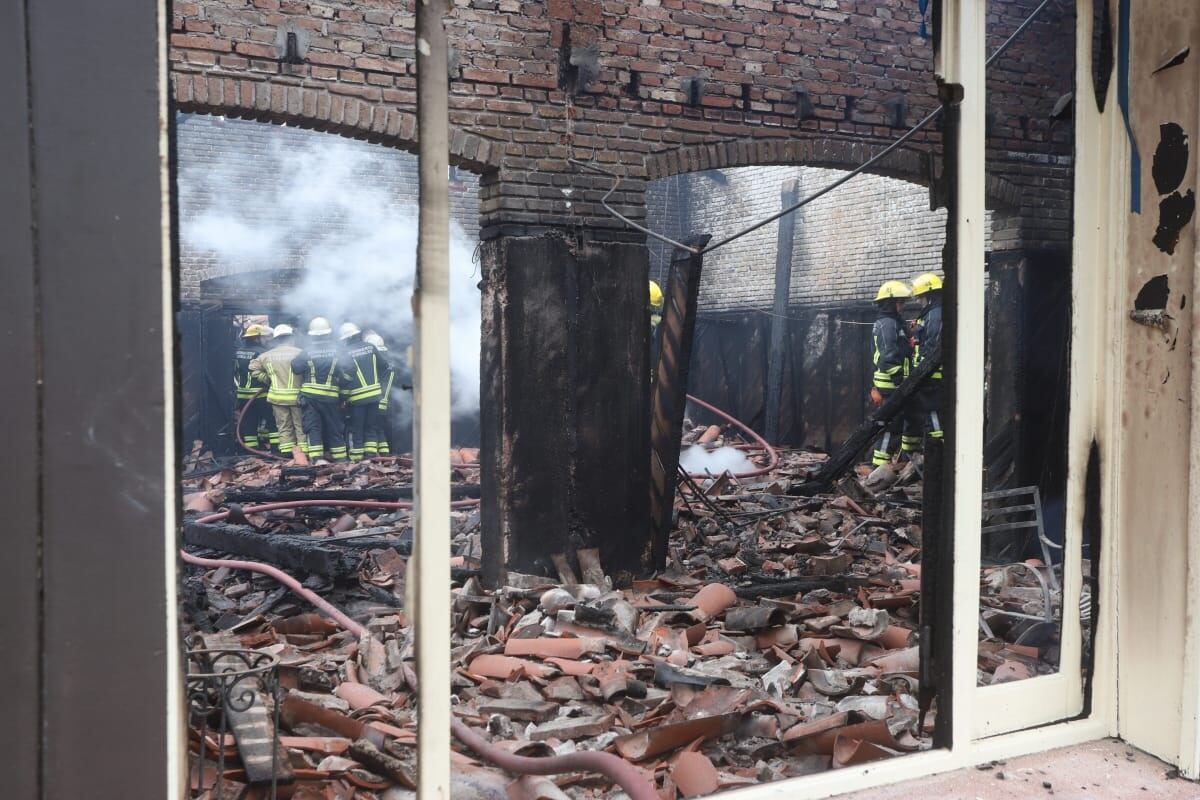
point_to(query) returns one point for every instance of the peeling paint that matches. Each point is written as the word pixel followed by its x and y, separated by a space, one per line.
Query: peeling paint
pixel 1174 212
pixel 1173 61
pixel 1153 294
pixel 1170 158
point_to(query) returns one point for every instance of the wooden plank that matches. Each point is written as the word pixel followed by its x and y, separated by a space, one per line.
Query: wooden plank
pixel 97 131
pixel 19 573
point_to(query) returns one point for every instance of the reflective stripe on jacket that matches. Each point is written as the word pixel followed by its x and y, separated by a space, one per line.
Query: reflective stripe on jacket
pixel 388 380
pixel 275 367
pixel 891 351
pixel 245 384
pixel 360 376
pixel 318 364
pixel 929 334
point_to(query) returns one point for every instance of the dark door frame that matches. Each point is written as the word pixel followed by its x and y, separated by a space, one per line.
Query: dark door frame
pixel 84 483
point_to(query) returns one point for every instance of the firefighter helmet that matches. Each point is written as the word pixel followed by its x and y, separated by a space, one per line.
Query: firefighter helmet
pixel 319 327
pixel 282 329
pixel 377 340
pixel 926 282
pixel 347 330
pixel 656 295
pixel 255 330
pixel 893 290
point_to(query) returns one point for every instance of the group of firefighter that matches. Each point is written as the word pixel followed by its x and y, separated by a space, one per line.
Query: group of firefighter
pixel 327 397
pixel 899 348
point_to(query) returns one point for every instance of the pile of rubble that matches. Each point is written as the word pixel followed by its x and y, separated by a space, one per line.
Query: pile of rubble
pixel 781 640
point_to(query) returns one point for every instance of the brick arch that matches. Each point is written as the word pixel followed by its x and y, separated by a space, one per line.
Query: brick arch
pixel 320 109
pixel 904 164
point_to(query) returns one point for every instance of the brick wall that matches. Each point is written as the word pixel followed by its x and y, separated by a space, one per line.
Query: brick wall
pixel 870 230
pixel 656 78
pixel 248 174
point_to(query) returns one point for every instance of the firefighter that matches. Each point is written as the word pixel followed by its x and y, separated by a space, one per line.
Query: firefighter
pixel 927 288
pixel 247 388
pixel 656 306
pixel 378 428
pixel 320 400
pixel 891 358
pixel 362 367
pixel 274 367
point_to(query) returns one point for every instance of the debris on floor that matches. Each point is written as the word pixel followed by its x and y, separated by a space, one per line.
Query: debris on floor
pixel 781 640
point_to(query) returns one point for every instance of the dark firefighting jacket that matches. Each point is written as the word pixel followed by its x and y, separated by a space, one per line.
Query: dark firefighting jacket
pixel 246 383
pixel 318 364
pixel 389 379
pixel 929 334
pixel 362 368
pixel 891 350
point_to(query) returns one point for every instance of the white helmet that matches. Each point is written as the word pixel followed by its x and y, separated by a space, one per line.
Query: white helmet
pixel 347 330
pixel 282 330
pixel 319 327
pixel 377 340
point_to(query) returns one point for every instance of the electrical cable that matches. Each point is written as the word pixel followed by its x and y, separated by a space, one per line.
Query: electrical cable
pixel 875 159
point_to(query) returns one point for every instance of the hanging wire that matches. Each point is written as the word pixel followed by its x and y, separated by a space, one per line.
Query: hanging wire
pixel 861 168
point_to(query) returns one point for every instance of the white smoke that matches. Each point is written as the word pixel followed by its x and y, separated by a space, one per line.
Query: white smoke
pixel 699 461
pixel 359 258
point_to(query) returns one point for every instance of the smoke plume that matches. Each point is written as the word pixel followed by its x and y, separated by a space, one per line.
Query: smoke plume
pixel 698 460
pixel 354 244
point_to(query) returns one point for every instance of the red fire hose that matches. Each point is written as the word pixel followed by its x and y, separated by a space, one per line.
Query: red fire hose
pixel 237 432
pixel 619 771
pixel 771 454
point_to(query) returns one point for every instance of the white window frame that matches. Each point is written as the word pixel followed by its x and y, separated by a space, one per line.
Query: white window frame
pixel 983 720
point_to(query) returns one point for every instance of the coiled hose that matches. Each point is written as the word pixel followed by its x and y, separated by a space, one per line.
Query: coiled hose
pixel 773 456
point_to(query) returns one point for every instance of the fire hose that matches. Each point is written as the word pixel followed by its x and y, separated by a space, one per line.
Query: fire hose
pixel 760 441
pixel 237 432
pixel 618 770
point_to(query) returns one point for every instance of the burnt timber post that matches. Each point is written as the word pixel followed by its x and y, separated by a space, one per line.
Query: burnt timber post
pixel 668 397
pixel 565 380
pixel 789 195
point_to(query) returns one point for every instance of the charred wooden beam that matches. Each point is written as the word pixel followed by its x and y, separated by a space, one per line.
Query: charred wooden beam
pixel 668 396
pixel 789 195
pixel 847 454
pixel 290 553
pixel 458 491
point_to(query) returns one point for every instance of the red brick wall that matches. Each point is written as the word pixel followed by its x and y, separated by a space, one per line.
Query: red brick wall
pixel 517 119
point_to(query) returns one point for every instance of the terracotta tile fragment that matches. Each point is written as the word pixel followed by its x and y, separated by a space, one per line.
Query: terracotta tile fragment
pixel 695 775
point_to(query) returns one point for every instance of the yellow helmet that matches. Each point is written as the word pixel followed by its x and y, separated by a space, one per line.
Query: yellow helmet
pixel 656 295
pixel 255 330
pixel 893 289
pixel 926 282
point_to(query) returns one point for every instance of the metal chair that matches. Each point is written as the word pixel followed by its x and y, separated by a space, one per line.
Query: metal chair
pixel 1024 503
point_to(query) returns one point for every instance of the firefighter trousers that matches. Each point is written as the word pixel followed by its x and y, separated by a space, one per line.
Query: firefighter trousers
pixel 378 432
pixel 363 429
pixel 888 443
pixel 256 428
pixel 323 428
pixel 290 425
